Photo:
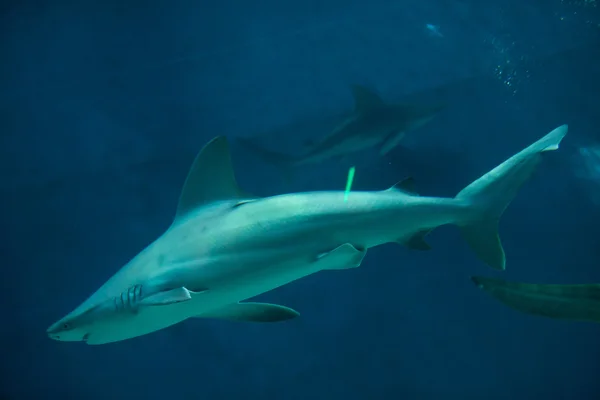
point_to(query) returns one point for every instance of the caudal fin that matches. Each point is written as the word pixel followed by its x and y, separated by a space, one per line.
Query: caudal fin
pixel 493 192
pixel 283 162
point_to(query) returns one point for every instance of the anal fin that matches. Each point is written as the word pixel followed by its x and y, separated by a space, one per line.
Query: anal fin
pixel 252 312
pixel 417 241
pixel 342 257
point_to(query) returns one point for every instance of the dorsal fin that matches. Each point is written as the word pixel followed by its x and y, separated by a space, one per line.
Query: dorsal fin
pixel 365 99
pixel 406 185
pixel 210 178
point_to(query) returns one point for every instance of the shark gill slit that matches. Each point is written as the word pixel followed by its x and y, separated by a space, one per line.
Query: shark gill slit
pixel 130 296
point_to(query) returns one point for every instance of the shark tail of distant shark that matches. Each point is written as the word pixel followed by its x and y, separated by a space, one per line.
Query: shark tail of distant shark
pixel 492 193
pixel 284 162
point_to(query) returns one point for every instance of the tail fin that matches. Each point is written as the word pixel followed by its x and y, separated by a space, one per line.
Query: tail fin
pixel 282 161
pixel 493 192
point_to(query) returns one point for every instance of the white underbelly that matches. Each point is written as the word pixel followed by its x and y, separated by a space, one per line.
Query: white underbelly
pixel 154 318
pixel 252 284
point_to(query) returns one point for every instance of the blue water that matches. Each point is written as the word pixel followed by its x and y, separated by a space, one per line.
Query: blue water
pixel 104 104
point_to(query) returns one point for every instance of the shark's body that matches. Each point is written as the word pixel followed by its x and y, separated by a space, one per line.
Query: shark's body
pixel 225 247
pixel 372 123
pixel 580 302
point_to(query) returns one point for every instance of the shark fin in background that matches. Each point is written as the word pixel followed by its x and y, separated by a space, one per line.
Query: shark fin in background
pixel 391 142
pixel 365 99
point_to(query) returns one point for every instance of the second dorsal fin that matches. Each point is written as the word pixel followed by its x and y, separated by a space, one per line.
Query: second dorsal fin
pixel 406 185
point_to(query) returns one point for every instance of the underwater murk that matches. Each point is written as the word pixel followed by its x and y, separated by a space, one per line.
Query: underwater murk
pixel 300 199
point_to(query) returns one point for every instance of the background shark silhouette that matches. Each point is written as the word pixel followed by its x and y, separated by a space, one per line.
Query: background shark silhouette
pixel 373 122
pixel 578 302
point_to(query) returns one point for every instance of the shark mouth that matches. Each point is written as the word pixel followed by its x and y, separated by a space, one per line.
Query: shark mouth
pixel 85 337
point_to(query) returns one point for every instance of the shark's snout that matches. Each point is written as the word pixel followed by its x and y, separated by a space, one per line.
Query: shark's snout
pixel 68 337
pixel 54 328
pixel 53 334
pixel 54 331
pixel 64 332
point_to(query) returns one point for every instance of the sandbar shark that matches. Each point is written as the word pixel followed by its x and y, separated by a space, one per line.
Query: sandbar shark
pixel 225 246
pixel 577 302
pixel 373 122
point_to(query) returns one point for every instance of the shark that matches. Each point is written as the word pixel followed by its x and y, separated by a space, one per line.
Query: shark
pixel 571 302
pixel 372 123
pixel 226 246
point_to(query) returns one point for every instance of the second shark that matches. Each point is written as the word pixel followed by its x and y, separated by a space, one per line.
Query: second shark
pixel 372 123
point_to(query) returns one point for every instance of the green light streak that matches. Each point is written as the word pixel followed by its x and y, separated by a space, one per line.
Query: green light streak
pixel 349 183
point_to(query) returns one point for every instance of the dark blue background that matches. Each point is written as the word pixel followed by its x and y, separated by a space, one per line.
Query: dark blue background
pixel 103 105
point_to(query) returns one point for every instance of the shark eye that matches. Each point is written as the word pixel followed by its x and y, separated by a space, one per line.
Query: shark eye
pixel 66 326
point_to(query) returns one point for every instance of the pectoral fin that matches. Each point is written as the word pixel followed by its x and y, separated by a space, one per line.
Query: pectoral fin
pixel 252 312
pixel 165 298
pixel 342 257
pixel 390 142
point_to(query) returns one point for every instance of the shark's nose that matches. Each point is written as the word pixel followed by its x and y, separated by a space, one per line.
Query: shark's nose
pixel 54 331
